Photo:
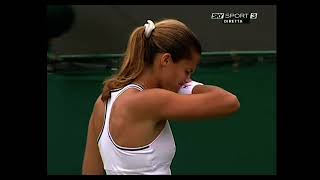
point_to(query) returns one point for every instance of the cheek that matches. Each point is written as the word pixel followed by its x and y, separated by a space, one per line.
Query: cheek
pixel 172 73
pixel 168 78
pixel 172 78
pixel 182 75
pixel 179 75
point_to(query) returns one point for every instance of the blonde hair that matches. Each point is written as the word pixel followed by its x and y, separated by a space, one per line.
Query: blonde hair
pixel 169 36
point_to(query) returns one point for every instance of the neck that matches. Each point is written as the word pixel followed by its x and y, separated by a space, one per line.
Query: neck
pixel 147 80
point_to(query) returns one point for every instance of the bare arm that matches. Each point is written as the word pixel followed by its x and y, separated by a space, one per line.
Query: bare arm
pixel 206 88
pixel 206 102
pixel 92 162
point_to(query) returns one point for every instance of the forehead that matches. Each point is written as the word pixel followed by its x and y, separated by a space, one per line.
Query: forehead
pixel 193 62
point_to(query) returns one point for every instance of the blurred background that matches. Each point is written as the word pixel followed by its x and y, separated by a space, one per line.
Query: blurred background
pixel 85 46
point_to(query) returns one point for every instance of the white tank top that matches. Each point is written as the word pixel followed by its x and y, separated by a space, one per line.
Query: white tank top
pixel 152 159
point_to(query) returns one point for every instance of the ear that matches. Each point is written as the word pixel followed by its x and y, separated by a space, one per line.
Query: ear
pixel 165 59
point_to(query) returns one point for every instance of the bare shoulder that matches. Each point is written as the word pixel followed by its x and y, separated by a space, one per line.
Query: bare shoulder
pixel 99 103
pixel 98 113
pixel 99 109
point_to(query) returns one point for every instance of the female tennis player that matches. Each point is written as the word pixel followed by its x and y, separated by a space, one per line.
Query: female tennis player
pixel 129 130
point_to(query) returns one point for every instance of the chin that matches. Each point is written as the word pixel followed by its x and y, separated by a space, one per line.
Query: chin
pixel 173 88
pixel 177 89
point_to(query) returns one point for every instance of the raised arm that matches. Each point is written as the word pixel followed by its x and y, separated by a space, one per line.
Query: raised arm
pixel 205 102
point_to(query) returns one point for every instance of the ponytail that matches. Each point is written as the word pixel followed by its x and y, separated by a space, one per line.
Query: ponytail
pixel 132 65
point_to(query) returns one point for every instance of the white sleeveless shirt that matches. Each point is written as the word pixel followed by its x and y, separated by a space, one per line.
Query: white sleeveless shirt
pixel 152 159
